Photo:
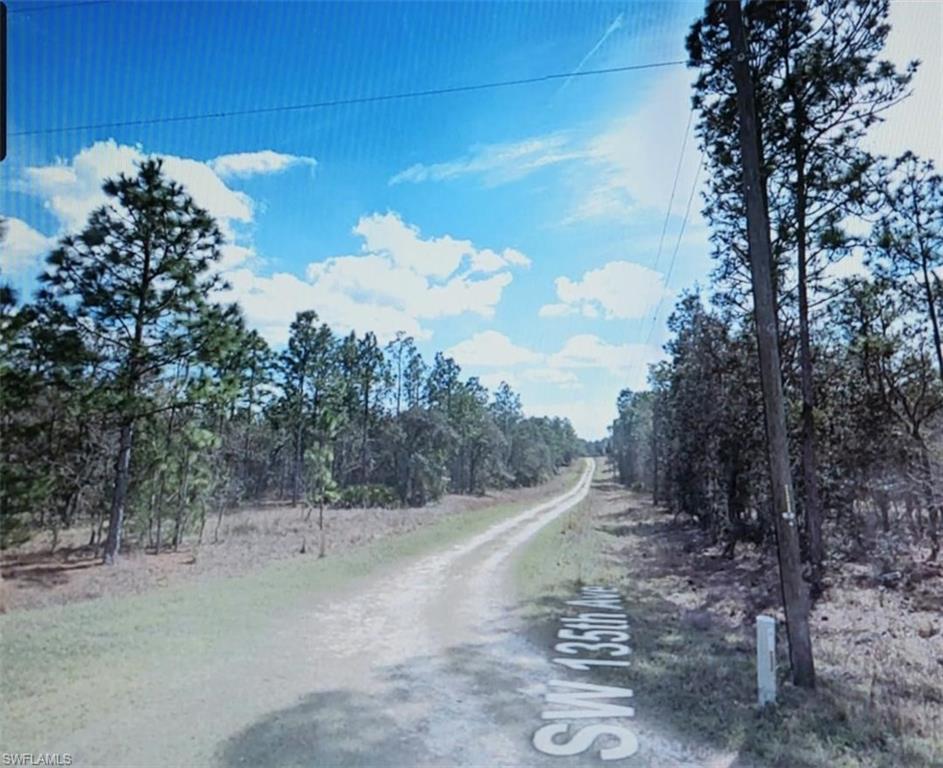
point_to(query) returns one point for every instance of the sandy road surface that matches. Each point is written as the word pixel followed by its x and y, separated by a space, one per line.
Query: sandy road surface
pixel 424 666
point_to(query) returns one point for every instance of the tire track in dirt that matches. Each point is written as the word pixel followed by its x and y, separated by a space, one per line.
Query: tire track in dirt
pixel 418 667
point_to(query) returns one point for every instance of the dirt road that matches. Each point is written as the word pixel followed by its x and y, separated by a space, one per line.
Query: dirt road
pixel 425 666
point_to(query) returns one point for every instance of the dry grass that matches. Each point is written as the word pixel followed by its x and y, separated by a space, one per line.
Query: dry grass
pixel 879 653
pixel 249 539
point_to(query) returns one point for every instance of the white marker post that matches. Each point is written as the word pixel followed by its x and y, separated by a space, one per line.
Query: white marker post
pixel 766 659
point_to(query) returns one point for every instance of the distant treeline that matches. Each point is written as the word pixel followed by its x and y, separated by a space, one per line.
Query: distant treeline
pixel 131 401
pixel 858 252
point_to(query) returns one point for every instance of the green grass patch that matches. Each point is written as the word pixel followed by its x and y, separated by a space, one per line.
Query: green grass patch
pixel 698 685
pixel 63 664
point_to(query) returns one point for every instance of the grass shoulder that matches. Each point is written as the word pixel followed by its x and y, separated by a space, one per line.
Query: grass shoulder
pixel 65 661
pixel 693 670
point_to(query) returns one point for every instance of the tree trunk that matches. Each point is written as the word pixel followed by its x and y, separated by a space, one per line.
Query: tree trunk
pixel 219 520
pixel 811 500
pixel 298 462
pixel 655 453
pixel 795 599
pixel 934 318
pixel 120 496
pixel 933 512
pixel 366 427
pixel 321 529
pixel 180 518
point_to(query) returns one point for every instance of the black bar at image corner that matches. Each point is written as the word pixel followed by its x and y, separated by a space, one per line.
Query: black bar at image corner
pixel 3 81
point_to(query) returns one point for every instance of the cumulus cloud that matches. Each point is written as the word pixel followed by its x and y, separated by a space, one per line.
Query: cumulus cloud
pixel 243 164
pixel 583 362
pixel 556 310
pixel 436 257
pixel 561 378
pixel 517 379
pixel 271 302
pixel 23 249
pixel 71 190
pixel 491 348
pixel 590 417
pixel 617 290
pixel 233 256
pixel 590 351
pixel 492 379
pixel 397 281
pixel 609 368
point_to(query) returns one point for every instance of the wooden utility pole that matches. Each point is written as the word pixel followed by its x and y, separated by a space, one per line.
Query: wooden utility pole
pixel 795 594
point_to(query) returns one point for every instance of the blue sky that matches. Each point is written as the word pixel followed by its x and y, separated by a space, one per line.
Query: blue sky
pixel 516 228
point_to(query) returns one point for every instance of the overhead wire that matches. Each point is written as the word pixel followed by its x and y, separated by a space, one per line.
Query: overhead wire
pixel 674 255
pixel 347 101
pixel 664 229
pixel 674 189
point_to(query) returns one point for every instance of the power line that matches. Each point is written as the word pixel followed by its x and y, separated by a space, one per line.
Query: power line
pixel 674 188
pixel 664 227
pixel 674 255
pixel 345 102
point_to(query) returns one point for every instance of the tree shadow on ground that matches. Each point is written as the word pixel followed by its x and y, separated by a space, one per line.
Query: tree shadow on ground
pixel 698 678
pixel 479 703
pixel 682 549
pixel 332 728
pixel 696 687
pixel 467 707
pixel 48 569
pixel 476 705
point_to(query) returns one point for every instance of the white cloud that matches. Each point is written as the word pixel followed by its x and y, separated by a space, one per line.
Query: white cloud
pixel 232 256
pixel 852 265
pixel 617 290
pixel 589 351
pixel 254 163
pixel 611 367
pixel 561 378
pixel 23 249
pixel 270 304
pixel 72 189
pixel 399 278
pixel 495 163
pixel 397 281
pixel 622 168
pixel 599 369
pixel 492 380
pixel 435 257
pixel 556 310
pixel 589 417
pixel 914 124
pixel 630 155
pixel 520 378
pixel 491 348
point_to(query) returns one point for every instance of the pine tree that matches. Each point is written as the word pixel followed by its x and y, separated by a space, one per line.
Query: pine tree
pixel 130 284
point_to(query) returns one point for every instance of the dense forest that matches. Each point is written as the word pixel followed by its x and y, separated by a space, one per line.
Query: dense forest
pixel 857 249
pixel 137 406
